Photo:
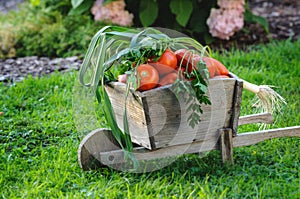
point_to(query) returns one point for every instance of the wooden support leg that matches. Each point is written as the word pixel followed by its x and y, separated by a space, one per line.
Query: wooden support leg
pixel 226 145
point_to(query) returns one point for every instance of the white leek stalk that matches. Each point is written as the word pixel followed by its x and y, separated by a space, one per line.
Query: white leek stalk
pixel 268 99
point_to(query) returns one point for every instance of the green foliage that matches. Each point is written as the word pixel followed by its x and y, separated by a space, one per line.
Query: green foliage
pixel 148 12
pixel 48 29
pixel 39 142
pixel 63 28
pixel 80 6
pixel 76 3
pixel 182 9
pixel 252 18
pixel 7 43
pixel 190 16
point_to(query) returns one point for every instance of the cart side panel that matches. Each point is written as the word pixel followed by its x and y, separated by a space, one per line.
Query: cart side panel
pixel 135 113
pixel 169 119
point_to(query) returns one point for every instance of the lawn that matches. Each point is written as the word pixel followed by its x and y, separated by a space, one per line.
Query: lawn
pixel 39 142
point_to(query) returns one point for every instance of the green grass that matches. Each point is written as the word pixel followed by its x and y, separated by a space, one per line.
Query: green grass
pixel 39 142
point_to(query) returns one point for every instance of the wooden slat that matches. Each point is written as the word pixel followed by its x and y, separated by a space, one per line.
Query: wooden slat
pixel 158 119
pixel 169 117
pixel 250 138
pixel 226 145
pixel 266 118
pixel 136 115
pixel 244 139
pixel 141 153
pixel 237 100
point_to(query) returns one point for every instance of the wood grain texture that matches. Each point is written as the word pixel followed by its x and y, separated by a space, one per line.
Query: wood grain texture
pixel 226 145
pixel 114 157
pixel 250 138
pixel 237 100
pixel 266 118
pixel 158 119
pixel 244 139
pixel 97 141
pixel 135 112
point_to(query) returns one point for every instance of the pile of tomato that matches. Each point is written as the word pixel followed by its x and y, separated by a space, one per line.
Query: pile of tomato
pixel 170 65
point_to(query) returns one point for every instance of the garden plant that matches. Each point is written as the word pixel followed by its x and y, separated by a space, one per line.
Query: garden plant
pixel 39 137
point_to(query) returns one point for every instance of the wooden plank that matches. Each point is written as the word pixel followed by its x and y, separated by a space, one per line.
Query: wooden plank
pixel 135 112
pixel 250 138
pixel 245 139
pixel 266 118
pixel 169 117
pixel 143 154
pixel 237 100
pixel 158 119
pixel 226 145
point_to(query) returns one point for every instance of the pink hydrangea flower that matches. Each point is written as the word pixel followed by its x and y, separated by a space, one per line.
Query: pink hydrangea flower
pixel 113 12
pixel 226 20
pixel 232 4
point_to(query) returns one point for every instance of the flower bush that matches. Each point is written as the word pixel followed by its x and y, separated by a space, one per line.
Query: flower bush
pixel 201 19
pixel 60 28
pixel 113 12
pixel 226 20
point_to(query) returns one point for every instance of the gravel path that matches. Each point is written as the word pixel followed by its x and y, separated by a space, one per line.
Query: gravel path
pixel 13 70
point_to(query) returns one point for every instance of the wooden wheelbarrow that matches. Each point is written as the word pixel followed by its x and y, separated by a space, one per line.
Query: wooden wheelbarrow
pixel 160 131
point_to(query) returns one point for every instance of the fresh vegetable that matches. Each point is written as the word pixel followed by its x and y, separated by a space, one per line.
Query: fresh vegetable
pixel 122 78
pixel 168 79
pixel 118 50
pixel 268 100
pixel 213 64
pixel 168 58
pixel 162 69
pixel 166 63
pixel 148 77
pixel 189 60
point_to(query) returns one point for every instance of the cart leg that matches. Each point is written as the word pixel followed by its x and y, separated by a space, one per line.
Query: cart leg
pixel 226 145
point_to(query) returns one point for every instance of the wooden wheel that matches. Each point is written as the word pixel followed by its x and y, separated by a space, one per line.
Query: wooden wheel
pixel 99 140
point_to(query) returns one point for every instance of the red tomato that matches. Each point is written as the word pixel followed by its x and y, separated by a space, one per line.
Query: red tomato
pixel 148 75
pixel 168 58
pixel 162 69
pixel 168 79
pixel 212 69
pixel 219 68
pixel 187 59
pixel 180 54
pixel 214 66
pixel 122 78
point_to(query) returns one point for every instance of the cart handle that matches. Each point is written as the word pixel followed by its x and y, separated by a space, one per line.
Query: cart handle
pixel 265 118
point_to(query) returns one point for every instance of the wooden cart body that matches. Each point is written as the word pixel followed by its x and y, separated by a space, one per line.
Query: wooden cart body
pixel 157 118
pixel 158 125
